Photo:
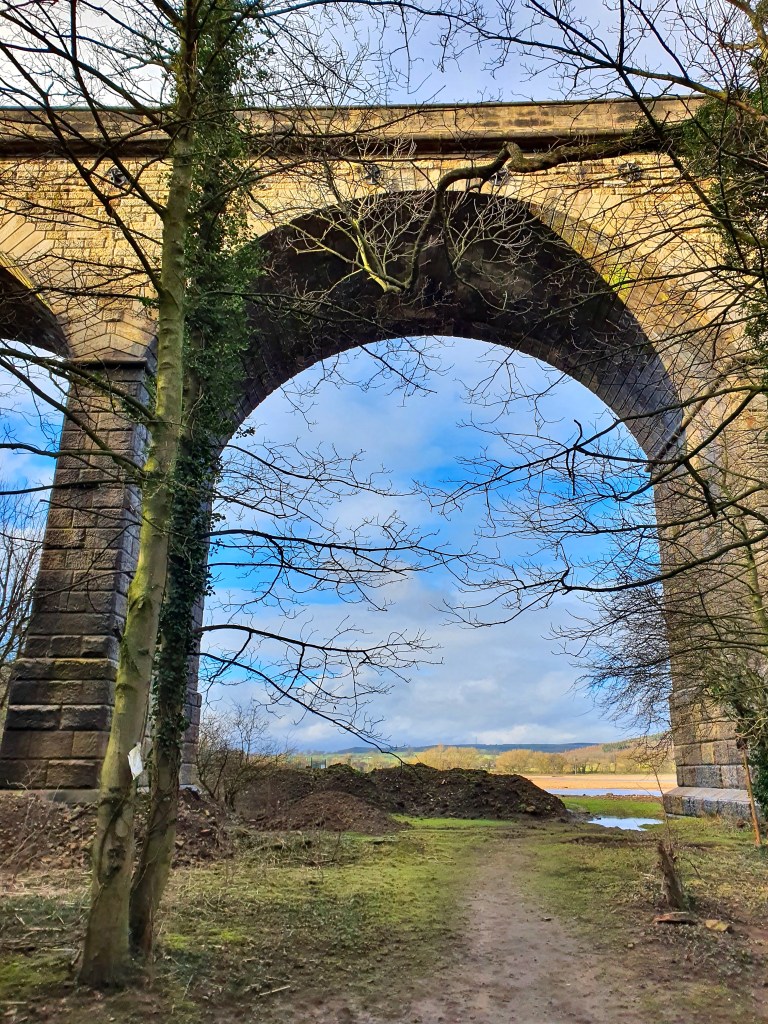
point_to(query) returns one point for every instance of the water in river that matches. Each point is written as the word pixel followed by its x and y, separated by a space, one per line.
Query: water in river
pixel 648 791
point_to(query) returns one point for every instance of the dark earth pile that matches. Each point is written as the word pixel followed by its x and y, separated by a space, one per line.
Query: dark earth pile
pixel 410 789
pixel 335 812
pixel 38 833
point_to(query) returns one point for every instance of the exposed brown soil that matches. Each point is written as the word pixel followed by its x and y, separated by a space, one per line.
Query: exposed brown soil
pixel 411 789
pixel 334 812
pixel 39 833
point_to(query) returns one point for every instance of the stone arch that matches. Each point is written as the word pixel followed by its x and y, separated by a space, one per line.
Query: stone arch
pixel 527 288
pixel 550 303
pixel 644 346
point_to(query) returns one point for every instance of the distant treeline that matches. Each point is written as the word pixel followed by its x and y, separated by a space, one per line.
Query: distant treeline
pixel 654 753
pixel 483 748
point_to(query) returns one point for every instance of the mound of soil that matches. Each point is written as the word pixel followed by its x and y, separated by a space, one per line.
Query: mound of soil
pixel 38 833
pixel 410 789
pixel 333 811
pixel 462 793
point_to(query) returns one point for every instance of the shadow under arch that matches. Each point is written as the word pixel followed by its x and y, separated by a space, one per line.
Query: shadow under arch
pixel 24 316
pixel 519 285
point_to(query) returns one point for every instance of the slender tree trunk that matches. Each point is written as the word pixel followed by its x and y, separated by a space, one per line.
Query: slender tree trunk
pixel 159 843
pixel 216 336
pixel 106 956
pixel 187 577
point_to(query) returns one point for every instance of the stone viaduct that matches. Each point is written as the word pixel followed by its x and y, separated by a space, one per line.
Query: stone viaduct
pixel 599 266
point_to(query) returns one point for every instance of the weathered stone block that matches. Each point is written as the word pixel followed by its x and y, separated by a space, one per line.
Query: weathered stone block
pixel 726 752
pixel 106 647
pixel 707 776
pixel 36 745
pixel 50 692
pixel 23 774
pixel 40 716
pixel 688 753
pixel 708 753
pixel 73 624
pixel 673 803
pixel 64 647
pixel 687 733
pixel 37 646
pixel 90 717
pixel 89 744
pixel 733 776
pixel 78 669
pixel 72 774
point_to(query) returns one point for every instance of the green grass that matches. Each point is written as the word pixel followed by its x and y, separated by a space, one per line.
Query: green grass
pixel 725 875
pixel 368 917
pixel 344 913
pixel 615 807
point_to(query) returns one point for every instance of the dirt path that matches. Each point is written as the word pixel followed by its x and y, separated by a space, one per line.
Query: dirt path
pixel 519 966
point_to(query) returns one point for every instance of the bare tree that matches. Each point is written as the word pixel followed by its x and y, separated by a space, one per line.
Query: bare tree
pixel 20 540
pixel 456 220
pixel 234 748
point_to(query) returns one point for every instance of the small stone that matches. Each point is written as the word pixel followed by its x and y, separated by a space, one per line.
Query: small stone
pixel 716 925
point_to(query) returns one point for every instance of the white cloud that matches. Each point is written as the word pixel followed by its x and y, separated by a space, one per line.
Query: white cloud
pixel 503 684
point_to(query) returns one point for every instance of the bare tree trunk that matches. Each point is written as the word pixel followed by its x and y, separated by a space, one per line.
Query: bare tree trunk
pixel 672 883
pixel 187 576
pixel 106 955
pixel 159 843
pixel 216 332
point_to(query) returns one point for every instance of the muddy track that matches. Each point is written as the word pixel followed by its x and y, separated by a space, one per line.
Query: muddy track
pixel 518 965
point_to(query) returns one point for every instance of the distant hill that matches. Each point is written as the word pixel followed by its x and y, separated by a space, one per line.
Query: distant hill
pixel 482 748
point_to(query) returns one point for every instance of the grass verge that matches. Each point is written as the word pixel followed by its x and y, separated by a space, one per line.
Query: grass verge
pixel 616 807
pixel 295 914
pixel 295 918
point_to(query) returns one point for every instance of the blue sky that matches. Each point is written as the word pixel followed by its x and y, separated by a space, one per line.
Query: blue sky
pixel 504 684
